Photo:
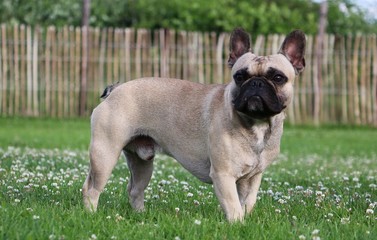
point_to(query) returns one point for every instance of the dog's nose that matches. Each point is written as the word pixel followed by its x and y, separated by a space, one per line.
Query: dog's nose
pixel 257 83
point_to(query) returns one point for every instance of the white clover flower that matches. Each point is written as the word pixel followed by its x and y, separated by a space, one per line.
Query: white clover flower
pixel 369 211
pixel 176 210
pixel 93 237
pixel 190 194
pixel 345 220
pixel 277 211
pixel 118 218
pixel 35 217
pixel 315 232
pixel 17 200
pixel 197 222
pixel 319 194
pixel 301 237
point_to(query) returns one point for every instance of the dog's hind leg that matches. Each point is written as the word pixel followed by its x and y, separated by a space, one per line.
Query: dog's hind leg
pixel 102 161
pixel 141 173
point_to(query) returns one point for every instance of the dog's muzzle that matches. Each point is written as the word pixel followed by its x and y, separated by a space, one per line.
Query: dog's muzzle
pixel 258 98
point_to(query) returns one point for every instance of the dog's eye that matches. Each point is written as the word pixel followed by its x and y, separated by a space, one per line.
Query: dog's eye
pixel 279 78
pixel 239 78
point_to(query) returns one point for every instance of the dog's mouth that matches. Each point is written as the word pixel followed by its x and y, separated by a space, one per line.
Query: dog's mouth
pixel 258 100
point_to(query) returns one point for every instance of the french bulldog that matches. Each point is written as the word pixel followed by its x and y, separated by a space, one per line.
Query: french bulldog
pixel 224 134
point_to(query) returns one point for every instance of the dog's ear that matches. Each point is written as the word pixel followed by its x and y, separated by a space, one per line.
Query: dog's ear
pixel 239 45
pixel 293 48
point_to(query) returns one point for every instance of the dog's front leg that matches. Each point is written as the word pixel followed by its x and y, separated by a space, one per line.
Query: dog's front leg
pixel 226 192
pixel 248 190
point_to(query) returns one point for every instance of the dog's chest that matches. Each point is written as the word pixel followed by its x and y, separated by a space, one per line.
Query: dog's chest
pixel 259 137
pixel 256 159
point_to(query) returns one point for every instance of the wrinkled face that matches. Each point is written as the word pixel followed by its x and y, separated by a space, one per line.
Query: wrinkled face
pixel 263 85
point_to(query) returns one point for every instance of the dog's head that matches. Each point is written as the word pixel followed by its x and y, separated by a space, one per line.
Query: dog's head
pixel 262 86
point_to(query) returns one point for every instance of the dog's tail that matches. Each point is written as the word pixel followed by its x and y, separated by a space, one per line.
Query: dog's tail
pixel 108 90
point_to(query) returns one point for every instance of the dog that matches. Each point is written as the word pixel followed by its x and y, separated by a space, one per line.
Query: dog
pixel 225 134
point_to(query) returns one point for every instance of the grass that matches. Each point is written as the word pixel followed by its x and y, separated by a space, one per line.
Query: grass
pixel 324 185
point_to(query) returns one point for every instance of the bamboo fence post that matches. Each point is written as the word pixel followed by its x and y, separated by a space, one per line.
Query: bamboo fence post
pixel 337 80
pixel 2 85
pixel 200 62
pixel 138 62
pixel 258 48
pixel 109 56
pixel 362 83
pixel 47 77
pixel 59 73
pixel 102 58
pixel 333 81
pixel 16 69
pixel 185 51
pixel 227 69
pixel 302 89
pixel 349 88
pixel 4 69
pixel 179 55
pixel 368 80
pixel 10 97
pixel 29 70
pixel 10 81
pixel 96 76
pixel 219 66
pixel 344 74
pixel 72 63
pixel 78 45
pixel 374 88
pixel 122 73
pixel 117 36
pixel 84 71
pixel 164 53
pixel 355 65
pixel 36 88
pixel 65 74
pixel 156 54
pixel 207 50
pixel 309 89
pixel 325 82
pixel 147 55
pixel 172 46
pixel 23 69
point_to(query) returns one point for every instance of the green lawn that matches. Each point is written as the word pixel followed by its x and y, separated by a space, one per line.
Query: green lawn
pixel 324 185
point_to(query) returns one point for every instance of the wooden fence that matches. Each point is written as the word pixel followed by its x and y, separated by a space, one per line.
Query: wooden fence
pixel 40 69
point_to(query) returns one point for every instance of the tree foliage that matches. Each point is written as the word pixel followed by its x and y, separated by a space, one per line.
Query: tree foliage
pixel 269 16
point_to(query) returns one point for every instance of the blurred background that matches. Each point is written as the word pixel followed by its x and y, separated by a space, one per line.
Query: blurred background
pixel 56 57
